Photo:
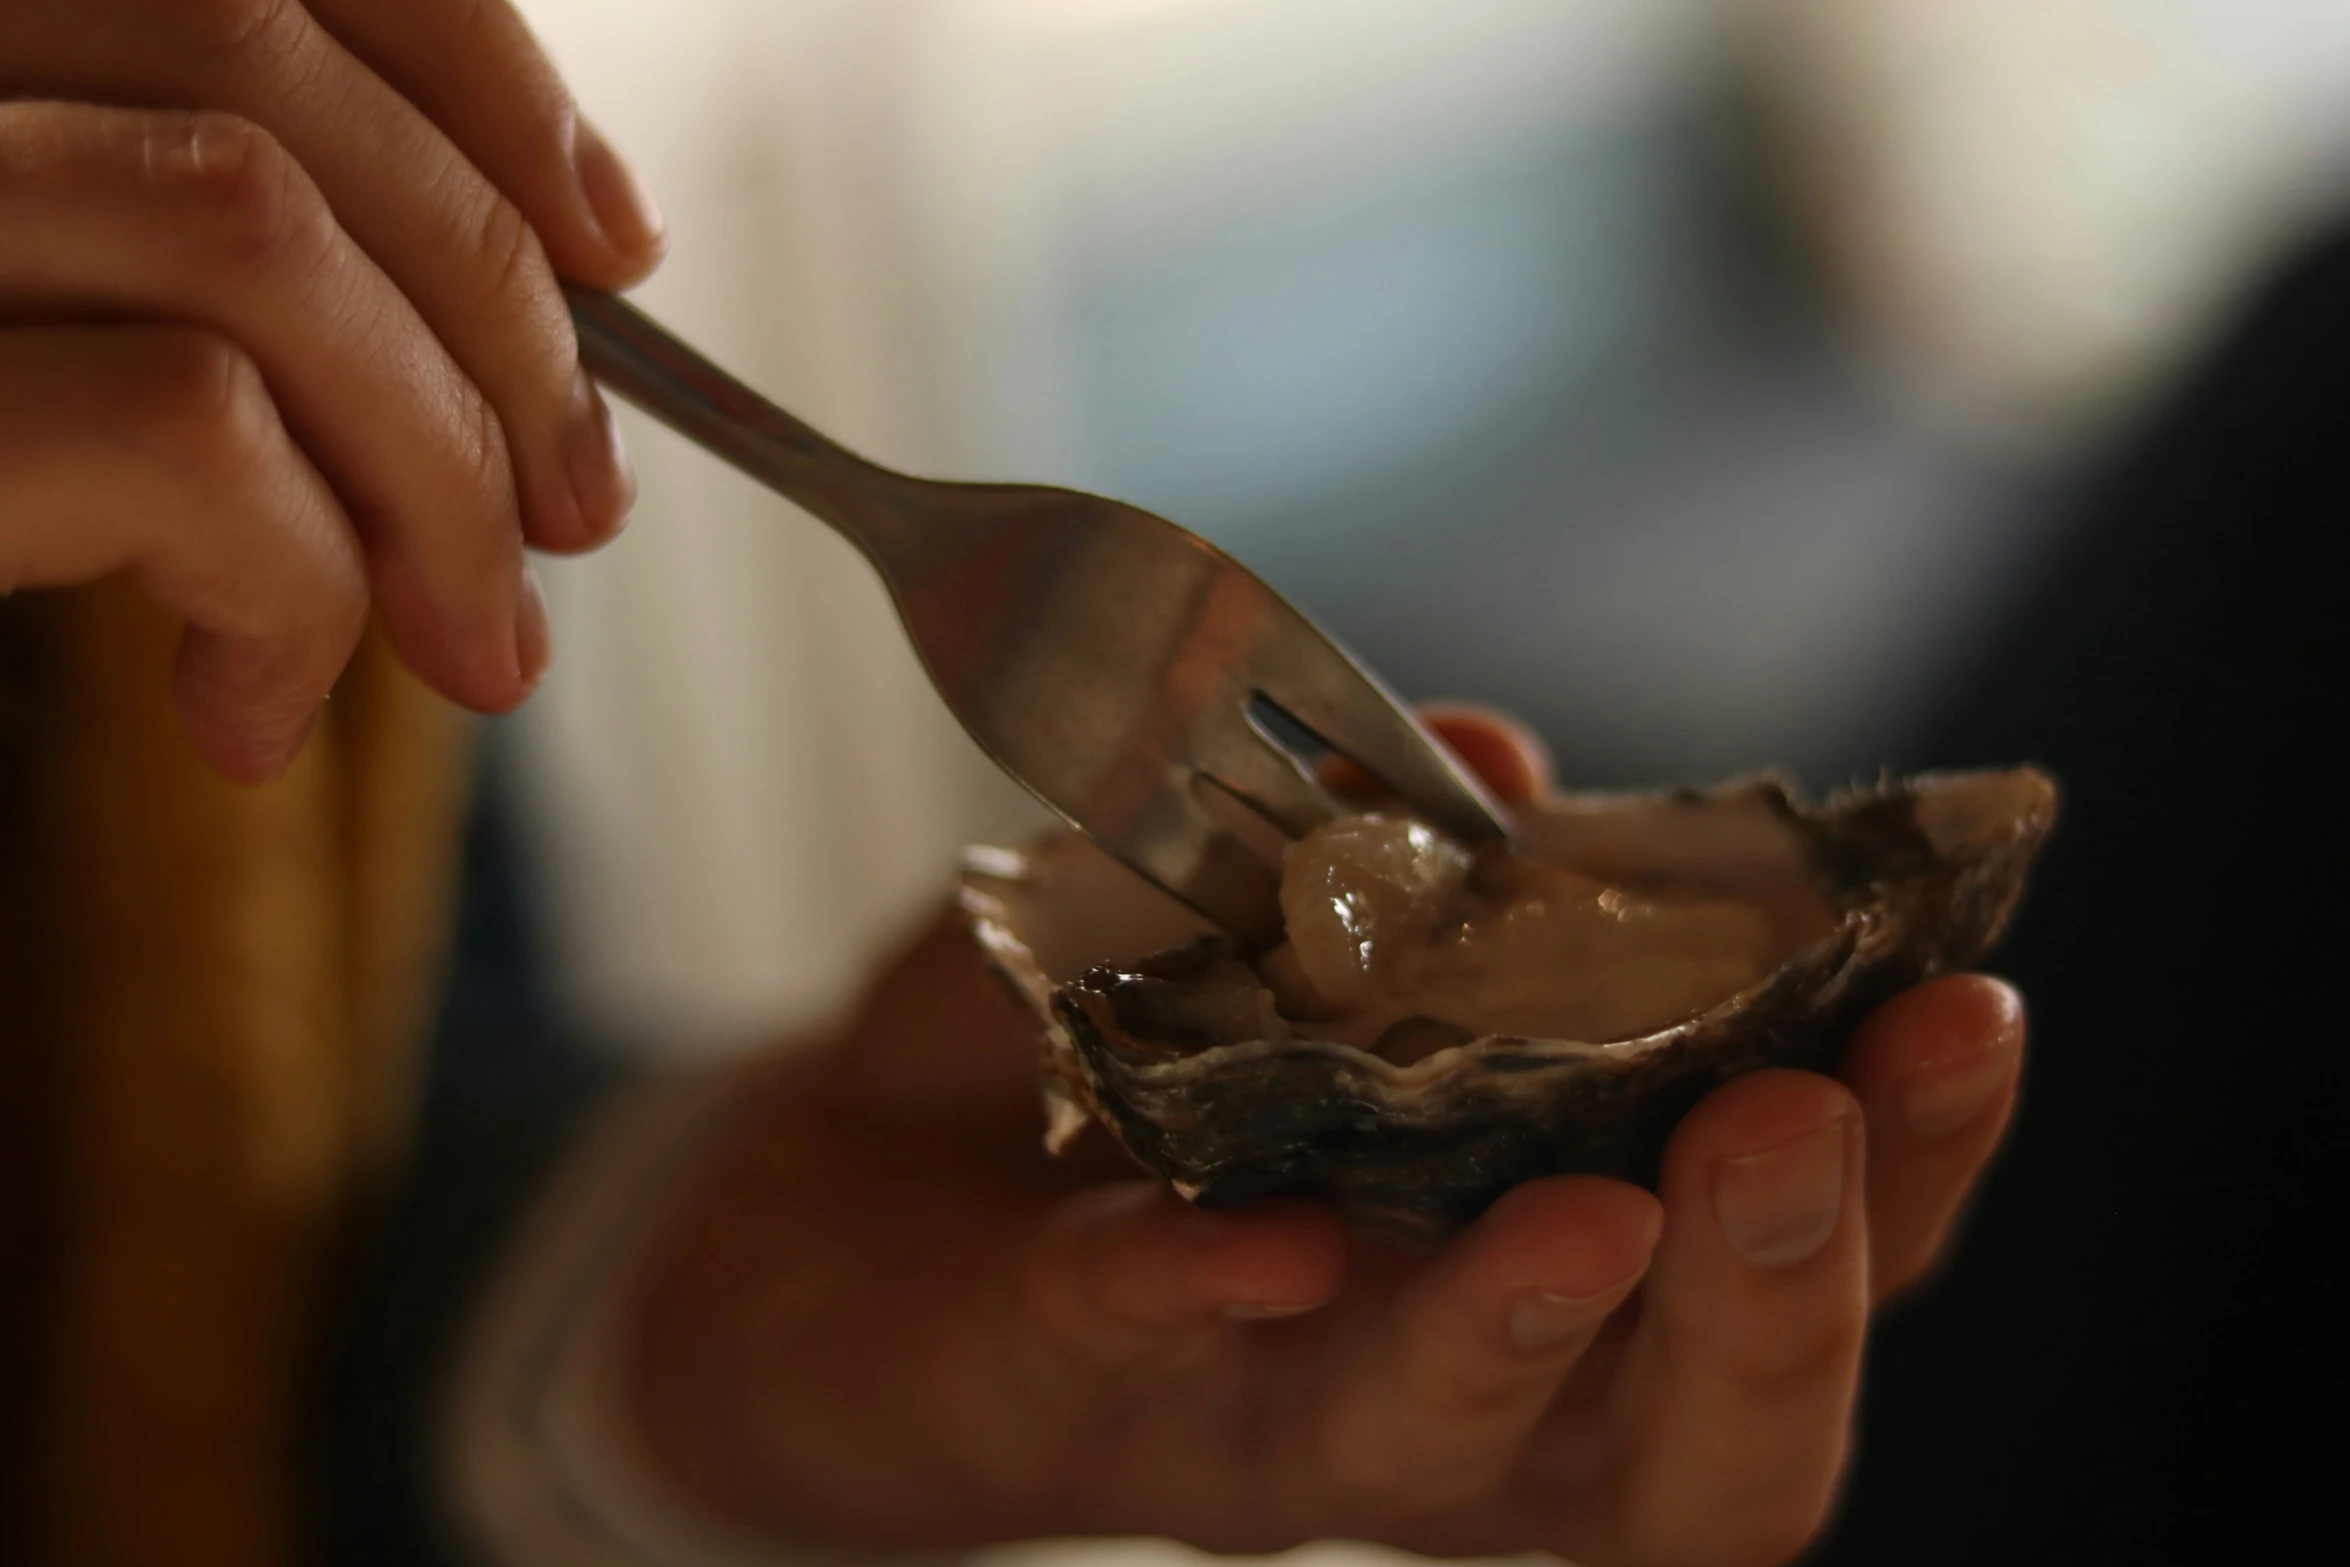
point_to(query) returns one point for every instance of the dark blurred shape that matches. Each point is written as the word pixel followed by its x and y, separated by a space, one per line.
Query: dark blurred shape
pixel 2125 1363
pixel 29 1074
pixel 510 1077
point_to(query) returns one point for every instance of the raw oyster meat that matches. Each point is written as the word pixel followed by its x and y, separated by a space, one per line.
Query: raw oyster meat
pixel 1439 1025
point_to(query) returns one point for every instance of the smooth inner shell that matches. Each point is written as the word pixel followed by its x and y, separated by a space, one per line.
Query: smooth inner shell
pixel 1403 943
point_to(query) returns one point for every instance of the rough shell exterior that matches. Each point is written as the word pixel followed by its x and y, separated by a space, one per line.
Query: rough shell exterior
pixel 1922 876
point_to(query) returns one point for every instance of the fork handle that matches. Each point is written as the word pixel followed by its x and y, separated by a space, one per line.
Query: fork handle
pixel 644 362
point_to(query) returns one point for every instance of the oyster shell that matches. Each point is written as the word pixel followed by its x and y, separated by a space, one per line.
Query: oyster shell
pixel 1217 1068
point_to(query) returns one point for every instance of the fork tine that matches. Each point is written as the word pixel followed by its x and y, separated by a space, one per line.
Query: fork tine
pixel 1103 656
pixel 1187 849
pixel 1313 679
pixel 1245 761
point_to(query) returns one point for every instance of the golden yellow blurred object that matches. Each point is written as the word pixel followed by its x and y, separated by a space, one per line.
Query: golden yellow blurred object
pixel 207 1048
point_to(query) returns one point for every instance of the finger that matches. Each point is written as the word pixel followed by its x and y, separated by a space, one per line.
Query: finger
pixel 1432 1410
pixel 1119 1285
pixel 1732 1406
pixel 157 450
pixel 1510 758
pixel 1935 1071
pixel 475 70
pixel 204 218
pixel 460 250
pixel 1120 1271
pixel 468 256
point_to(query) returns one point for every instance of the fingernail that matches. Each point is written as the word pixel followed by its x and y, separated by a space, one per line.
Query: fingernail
pixel 1258 1311
pixel 1780 1206
pixel 595 460
pixel 615 193
pixel 534 647
pixel 1939 1099
pixel 1544 1320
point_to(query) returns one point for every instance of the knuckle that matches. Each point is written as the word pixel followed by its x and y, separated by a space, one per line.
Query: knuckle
pixel 481 465
pixel 286 566
pixel 234 27
pixel 1796 1358
pixel 509 264
pixel 258 208
pixel 1785 1345
pixel 1459 1386
pixel 511 258
pixel 494 29
pixel 203 407
pixel 473 19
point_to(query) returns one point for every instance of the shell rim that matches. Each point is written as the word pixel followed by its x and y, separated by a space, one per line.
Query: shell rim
pixel 1825 957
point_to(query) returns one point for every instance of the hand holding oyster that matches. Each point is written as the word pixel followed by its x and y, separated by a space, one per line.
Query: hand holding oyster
pixel 1438 1026
pixel 884 1318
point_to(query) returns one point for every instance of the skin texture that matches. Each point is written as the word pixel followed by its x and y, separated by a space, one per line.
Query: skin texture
pixel 888 1318
pixel 281 336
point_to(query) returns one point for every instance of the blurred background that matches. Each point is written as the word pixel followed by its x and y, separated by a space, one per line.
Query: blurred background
pixel 1689 376
pixel 1700 381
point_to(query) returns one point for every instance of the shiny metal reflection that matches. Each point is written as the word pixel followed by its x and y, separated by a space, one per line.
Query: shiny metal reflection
pixel 1106 658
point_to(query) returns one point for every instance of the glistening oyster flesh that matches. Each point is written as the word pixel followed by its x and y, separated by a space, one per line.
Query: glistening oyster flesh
pixel 1439 1027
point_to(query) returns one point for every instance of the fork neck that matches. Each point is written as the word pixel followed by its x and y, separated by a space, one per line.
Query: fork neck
pixel 872 506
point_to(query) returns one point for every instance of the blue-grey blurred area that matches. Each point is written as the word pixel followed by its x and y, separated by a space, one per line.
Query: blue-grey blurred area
pixel 1564 429
pixel 1649 408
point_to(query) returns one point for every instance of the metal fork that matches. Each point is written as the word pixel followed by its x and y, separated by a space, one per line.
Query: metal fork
pixel 1134 677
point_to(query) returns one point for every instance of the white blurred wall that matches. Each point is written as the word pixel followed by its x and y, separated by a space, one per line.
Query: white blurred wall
pixel 2038 207
pixel 741 784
